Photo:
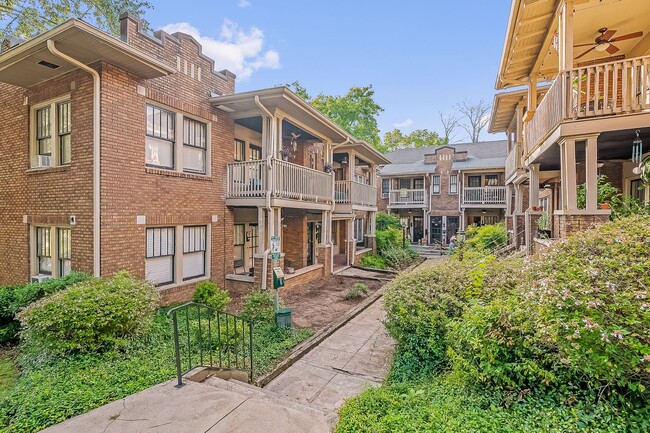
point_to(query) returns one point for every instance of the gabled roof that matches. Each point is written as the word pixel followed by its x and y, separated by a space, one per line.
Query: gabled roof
pixel 483 149
pixel 20 65
pixel 418 167
pixel 480 164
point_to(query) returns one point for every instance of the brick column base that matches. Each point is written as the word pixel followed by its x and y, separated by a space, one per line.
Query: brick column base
pixel 568 224
pixel 371 242
pixel 325 257
pixel 259 263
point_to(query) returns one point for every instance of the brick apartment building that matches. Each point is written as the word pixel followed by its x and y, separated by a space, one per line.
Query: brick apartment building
pixel 437 191
pixel 134 153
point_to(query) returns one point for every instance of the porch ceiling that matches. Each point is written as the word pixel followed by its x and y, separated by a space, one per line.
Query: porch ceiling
pixel 528 48
pixel 613 145
pixel 255 124
pixel 20 65
pixel 283 101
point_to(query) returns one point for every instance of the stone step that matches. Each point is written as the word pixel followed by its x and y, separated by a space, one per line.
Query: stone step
pixel 253 391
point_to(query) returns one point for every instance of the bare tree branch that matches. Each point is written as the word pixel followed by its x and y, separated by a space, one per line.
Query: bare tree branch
pixel 449 124
pixel 476 117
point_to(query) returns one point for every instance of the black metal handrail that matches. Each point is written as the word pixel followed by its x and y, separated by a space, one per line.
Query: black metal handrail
pixel 212 338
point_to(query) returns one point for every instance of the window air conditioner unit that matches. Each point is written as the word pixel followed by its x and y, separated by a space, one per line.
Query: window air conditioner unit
pixel 41 161
pixel 40 278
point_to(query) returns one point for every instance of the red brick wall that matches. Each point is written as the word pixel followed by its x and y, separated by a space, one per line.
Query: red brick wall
pixel 295 237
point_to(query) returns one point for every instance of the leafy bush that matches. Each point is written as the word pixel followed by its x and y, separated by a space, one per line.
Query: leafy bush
pixel 444 406
pixel 373 261
pixel 89 316
pixel 489 237
pixel 208 293
pixel 397 257
pixel 581 317
pixel 389 237
pixel 13 298
pixel 385 221
pixel 259 306
pixel 357 291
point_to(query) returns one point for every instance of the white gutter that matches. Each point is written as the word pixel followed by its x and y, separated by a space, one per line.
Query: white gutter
pixel 96 150
pixel 269 179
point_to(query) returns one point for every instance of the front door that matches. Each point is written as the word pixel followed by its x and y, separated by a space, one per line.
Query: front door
pixel 452 227
pixel 436 229
pixel 418 228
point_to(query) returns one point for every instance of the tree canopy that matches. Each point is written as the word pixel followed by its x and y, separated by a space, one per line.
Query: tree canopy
pixel 356 111
pixel 395 140
pixel 26 18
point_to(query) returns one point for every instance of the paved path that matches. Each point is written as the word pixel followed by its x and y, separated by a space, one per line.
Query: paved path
pixel 353 358
pixel 304 398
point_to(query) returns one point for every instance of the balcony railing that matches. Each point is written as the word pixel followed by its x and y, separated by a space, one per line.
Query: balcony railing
pixel 351 192
pixel 486 195
pixel 513 161
pixel 406 197
pixel 621 87
pixel 289 181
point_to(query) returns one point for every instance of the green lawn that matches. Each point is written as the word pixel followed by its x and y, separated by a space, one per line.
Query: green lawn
pixel 51 391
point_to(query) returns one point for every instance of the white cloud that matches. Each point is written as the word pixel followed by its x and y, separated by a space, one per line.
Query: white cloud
pixel 243 3
pixel 404 124
pixel 237 50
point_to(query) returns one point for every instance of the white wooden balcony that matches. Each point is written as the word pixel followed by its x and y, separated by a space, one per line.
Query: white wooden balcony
pixel 355 193
pixel 590 92
pixel 248 184
pixel 485 196
pixel 406 198
pixel 513 161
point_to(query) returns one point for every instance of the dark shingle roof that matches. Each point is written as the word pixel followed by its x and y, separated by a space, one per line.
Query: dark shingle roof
pixel 483 149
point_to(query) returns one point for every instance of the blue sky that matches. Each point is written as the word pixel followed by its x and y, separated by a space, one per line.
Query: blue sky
pixel 422 57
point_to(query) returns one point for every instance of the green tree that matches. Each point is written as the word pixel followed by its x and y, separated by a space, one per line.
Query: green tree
pixel 356 111
pixel 395 140
pixel 26 18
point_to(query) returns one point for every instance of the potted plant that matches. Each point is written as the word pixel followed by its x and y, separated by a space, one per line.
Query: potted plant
pixel 285 152
pixel 327 167
pixel 604 206
pixel 544 226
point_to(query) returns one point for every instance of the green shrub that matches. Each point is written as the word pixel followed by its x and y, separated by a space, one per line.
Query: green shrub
pixel 385 221
pixel 373 261
pixel 444 406
pixel 89 316
pixel 489 237
pixel 579 316
pixel 357 291
pixel 397 257
pixel 389 237
pixel 14 298
pixel 208 293
pixel 259 306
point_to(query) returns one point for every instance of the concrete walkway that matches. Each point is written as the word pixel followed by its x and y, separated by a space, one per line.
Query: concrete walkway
pixel 353 358
pixel 304 398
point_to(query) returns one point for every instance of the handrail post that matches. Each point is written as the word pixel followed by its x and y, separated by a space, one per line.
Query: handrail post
pixel 179 374
pixel 250 346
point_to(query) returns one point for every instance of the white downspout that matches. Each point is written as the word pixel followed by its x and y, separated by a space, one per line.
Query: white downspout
pixel 96 151
pixel 270 226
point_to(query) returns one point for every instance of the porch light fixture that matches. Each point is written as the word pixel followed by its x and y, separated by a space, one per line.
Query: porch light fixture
pixel 602 47
pixel 345 159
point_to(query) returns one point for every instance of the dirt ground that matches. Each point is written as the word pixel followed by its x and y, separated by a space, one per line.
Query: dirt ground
pixel 317 304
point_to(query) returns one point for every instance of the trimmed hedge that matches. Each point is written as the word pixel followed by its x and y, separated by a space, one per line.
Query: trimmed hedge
pixel 14 298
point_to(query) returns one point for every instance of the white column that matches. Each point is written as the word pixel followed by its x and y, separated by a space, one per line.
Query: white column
pixel 568 173
pixel 373 223
pixel 351 165
pixel 591 172
pixel 565 33
pixel 518 201
pixel 349 243
pixel 261 231
pixel 509 199
pixel 533 185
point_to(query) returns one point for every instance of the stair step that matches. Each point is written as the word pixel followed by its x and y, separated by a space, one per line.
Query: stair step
pixel 249 390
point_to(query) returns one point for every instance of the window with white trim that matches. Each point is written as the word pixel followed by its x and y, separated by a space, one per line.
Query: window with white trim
pixel 385 187
pixel 159 262
pixel 194 246
pixel 194 145
pixel 453 184
pixel 64 251
pixel 240 150
pixel 239 241
pixel 358 230
pixel 435 184
pixel 51 133
pixel 44 250
pixel 160 137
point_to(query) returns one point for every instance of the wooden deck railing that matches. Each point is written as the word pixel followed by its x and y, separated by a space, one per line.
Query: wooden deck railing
pixel 513 161
pixel 406 197
pixel 291 181
pixel 620 87
pixel 351 192
pixel 485 195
